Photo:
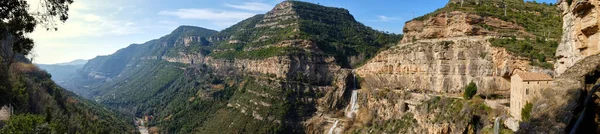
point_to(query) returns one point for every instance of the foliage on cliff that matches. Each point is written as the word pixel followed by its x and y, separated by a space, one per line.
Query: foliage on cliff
pixel 470 90
pixel 539 50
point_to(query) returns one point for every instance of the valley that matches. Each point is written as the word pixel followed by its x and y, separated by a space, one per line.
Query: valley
pixel 303 67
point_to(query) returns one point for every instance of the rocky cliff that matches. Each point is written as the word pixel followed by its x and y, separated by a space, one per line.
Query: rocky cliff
pixel 570 106
pixel 459 24
pixel 580 38
pixel 443 66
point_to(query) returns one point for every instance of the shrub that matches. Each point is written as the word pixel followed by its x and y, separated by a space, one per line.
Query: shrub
pixel 526 112
pixel 26 123
pixel 470 91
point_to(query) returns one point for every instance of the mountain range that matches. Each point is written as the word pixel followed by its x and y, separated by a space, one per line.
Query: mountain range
pixel 308 68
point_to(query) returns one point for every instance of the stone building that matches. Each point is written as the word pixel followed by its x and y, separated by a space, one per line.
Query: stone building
pixel 524 87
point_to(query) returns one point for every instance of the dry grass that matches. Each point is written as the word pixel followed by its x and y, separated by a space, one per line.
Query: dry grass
pixel 364 117
pixel 338 114
pixel 72 101
pixel 25 68
pixel 154 130
pixel 218 87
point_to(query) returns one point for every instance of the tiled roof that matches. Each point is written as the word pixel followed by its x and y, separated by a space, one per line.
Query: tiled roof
pixel 531 76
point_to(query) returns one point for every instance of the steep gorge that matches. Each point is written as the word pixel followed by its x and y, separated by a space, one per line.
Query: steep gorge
pixel 266 74
pixel 291 70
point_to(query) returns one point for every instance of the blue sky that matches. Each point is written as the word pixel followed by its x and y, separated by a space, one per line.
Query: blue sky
pixel 100 27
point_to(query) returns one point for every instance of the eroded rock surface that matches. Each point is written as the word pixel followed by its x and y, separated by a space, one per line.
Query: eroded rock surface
pixel 580 33
pixel 443 66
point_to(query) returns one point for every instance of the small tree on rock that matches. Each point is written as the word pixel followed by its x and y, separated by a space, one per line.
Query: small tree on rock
pixel 470 91
pixel 526 111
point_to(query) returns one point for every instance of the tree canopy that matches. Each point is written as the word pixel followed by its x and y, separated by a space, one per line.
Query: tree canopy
pixel 17 18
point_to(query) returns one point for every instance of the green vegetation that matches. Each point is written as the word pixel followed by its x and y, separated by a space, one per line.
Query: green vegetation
pixel 526 112
pixel 470 90
pixel 26 124
pixel 39 103
pixel 336 32
pixel 538 50
pixel 257 54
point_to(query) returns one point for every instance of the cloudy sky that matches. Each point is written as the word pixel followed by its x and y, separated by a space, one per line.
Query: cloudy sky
pixel 100 27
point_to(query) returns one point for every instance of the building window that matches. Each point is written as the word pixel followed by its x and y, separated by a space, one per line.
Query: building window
pixel 538 82
pixel 527 91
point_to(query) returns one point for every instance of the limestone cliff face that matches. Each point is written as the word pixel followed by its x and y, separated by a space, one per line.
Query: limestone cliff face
pixel 185 58
pixel 309 69
pixel 577 67
pixel 580 33
pixel 443 66
pixel 455 24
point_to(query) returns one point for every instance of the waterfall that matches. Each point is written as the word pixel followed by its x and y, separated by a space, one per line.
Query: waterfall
pixel 497 125
pixel 353 106
pixel 333 127
pixel 353 99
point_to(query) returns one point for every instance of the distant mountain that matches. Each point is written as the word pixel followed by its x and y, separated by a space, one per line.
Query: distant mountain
pixel 62 73
pixel 266 74
pixel 74 62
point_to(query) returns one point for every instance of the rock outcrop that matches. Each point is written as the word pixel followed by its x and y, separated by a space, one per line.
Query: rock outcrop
pixel 577 71
pixel 457 24
pixel 5 113
pixel 443 66
pixel 580 33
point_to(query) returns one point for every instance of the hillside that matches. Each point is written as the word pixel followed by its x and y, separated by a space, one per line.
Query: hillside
pixel 266 74
pixel 325 31
pixel 38 105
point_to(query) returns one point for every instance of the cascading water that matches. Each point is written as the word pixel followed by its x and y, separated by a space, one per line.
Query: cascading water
pixel 333 127
pixel 353 99
pixel 353 106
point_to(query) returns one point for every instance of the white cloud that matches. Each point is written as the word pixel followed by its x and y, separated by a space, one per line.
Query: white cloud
pixel 387 19
pixel 88 25
pixel 90 18
pixel 207 14
pixel 252 6
pixel 168 22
